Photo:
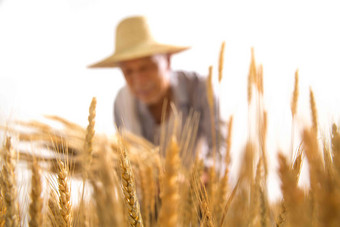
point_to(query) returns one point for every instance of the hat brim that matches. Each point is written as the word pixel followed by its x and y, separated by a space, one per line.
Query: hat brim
pixel 138 52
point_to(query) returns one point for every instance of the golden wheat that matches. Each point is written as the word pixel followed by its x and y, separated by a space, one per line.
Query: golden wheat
pixel 168 215
pixel 251 76
pixel 295 96
pixel 129 190
pixel 314 112
pixel 88 145
pixel 35 209
pixel 131 184
pixel 9 186
pixel 221 62
pixel 64 194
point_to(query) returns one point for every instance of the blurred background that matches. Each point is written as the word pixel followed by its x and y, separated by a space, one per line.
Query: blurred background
pixel 46 46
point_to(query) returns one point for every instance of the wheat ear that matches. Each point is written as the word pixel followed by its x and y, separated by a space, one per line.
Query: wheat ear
pixel 251 75
pixel 313 110
pixel 2 196
pixel 264 208
pixel 88 145
pixel 2 206
pixel 54 210
pixel 88 149
pixel 314 158
pixel 295 96
pixel 168 215
pixel 263 140
pixel 259 79
pixel 35 208
pixel 247 172
pixel 328 160
pixel 129 189
pixel 228 140
pixel 293 108
pixel 221 62
pixel 64 194
pixel 292 195
pixel 9 183
pixel 320 185
pixel 281 218
pixel 335 140
pixel 296 168
pixel 2 203
pixel 255 192
pixel 203 201
pixel 188 205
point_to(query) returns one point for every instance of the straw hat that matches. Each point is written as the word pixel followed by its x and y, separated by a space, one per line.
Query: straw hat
pixel 134 40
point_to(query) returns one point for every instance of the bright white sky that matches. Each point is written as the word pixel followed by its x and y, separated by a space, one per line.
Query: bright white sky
pixel 46 45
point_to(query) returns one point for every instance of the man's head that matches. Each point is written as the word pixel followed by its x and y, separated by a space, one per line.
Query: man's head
pixel 144 61
pixel 134 40
pixel 147 77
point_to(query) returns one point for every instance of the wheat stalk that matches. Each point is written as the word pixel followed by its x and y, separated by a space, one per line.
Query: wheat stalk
pixel 228 203
pixel 212 186
pixel 203 201
pixel 223 185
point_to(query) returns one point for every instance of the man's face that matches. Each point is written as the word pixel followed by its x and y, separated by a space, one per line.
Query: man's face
pixel 147 77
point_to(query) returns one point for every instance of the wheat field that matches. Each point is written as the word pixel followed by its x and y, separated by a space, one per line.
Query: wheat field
pixel 123 180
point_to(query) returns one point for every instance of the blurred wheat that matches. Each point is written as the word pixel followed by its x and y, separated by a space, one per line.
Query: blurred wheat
pixel 129 183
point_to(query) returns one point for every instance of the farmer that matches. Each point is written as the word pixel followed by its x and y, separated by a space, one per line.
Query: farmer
pixel 154 94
